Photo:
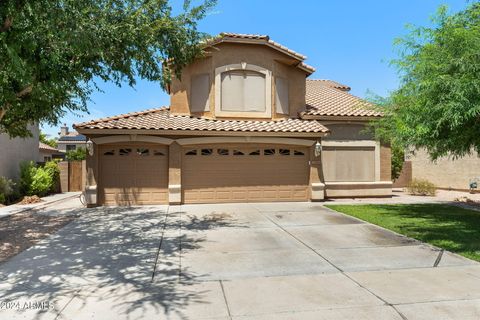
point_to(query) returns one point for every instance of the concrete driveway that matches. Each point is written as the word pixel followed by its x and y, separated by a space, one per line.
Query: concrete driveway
pixel 235 261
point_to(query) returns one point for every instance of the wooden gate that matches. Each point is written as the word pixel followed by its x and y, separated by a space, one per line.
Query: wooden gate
pixel 72 175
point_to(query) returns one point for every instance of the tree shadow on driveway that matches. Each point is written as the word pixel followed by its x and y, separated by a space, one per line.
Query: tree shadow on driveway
pixel 106 257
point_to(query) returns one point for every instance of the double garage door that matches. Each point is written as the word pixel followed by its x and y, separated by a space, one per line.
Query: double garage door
pixel 138 174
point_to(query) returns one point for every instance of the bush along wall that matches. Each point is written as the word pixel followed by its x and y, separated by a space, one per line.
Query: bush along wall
pixel 38 180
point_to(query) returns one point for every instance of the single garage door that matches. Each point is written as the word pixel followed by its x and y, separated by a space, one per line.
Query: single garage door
pixel 231 173
pixel 133 174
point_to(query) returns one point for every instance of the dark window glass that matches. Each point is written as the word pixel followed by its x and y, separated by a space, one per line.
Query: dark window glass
pixel 124 151
pixel 255 153
pixel 143 151
pixel 284 152
pixel 268 152
pixel 158 153
pixel 207 152
pixel 191 152
pixel 222 152
pixel 238 153
pixel 298 153
pixel 109 153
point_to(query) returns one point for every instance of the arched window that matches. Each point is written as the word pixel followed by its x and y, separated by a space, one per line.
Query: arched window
pixel 243 91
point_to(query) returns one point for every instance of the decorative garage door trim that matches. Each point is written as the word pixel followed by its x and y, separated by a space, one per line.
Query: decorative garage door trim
pixel 245 173
pixel 282 141
pixel 132 138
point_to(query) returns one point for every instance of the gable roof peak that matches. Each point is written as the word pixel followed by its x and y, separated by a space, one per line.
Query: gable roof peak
pixel 259 39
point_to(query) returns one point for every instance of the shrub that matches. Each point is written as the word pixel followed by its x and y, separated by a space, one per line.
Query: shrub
pixel 77 154
pixel 26 176
pixel 398 158
pixel 54 171
pixel 7 190
pixel 421 187
pixel 38 181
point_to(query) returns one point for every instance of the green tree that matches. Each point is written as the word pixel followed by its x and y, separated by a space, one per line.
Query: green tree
pixel 77 154
pixel 437 106
pixel 44 138
pixel 52 51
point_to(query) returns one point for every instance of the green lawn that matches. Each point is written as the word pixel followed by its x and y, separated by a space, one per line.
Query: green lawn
pixel 449 227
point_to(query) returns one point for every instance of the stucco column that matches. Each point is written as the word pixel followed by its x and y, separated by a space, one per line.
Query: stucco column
pixel 316 176
pixel 91 190
pixel 174 173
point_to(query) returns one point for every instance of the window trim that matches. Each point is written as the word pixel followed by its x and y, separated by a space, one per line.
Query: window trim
pixel 243 67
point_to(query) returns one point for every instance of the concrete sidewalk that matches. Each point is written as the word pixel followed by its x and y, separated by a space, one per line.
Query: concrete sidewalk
pixel 401 197
pixel 47 201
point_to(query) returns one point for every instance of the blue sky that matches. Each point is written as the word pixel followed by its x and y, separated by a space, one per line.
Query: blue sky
pixel 349 41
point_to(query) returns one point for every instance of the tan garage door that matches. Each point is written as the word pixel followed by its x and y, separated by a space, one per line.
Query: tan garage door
pixel 237 174
pixel 133 174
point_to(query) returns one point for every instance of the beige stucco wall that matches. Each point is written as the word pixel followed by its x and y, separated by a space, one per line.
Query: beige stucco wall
pixel 347 131
pixel 16 150
pixel 353 135
pixel 445 172
pixel 232 53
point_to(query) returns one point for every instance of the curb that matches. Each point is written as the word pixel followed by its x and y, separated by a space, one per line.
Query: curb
pixel 40 206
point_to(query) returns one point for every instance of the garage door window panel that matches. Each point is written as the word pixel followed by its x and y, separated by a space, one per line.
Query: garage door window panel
pixel 124 151
pixel 255 153
pixel 298 153
pixel 222 152
pixel 143 152
pixel 207 152
pixel 238 153
pixel 109 152
pixel 269 152
pixel 191 152
pixel 158 153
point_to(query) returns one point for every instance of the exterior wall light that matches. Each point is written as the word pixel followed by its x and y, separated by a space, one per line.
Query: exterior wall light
pixel 90 147
pixel 318 149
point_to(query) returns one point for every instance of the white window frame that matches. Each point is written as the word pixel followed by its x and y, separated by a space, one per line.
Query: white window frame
pixel 250 114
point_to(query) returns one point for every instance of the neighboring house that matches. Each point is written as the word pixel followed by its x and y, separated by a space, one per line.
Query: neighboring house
pixel 445 173
pixel 243 125
pixel 17 150
pixel 69 141
pixel 47 153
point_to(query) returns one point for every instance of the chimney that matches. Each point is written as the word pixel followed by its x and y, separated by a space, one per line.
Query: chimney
pixel 64 130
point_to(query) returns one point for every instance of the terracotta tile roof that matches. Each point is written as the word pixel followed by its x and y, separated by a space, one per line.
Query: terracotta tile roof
pixel 45 147
pixel 323 99
pixel 333 84
pixel 262 39
pixel 161 119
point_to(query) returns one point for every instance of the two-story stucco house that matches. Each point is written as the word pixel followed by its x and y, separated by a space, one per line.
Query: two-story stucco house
pixel 70 141
pixel 245 123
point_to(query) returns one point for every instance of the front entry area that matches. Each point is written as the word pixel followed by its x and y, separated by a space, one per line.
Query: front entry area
pixel 133 174
pixel 244 173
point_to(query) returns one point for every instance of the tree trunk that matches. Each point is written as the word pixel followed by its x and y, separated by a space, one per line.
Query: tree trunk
pixel 3 111
pixel 26 91
pixel 7 24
